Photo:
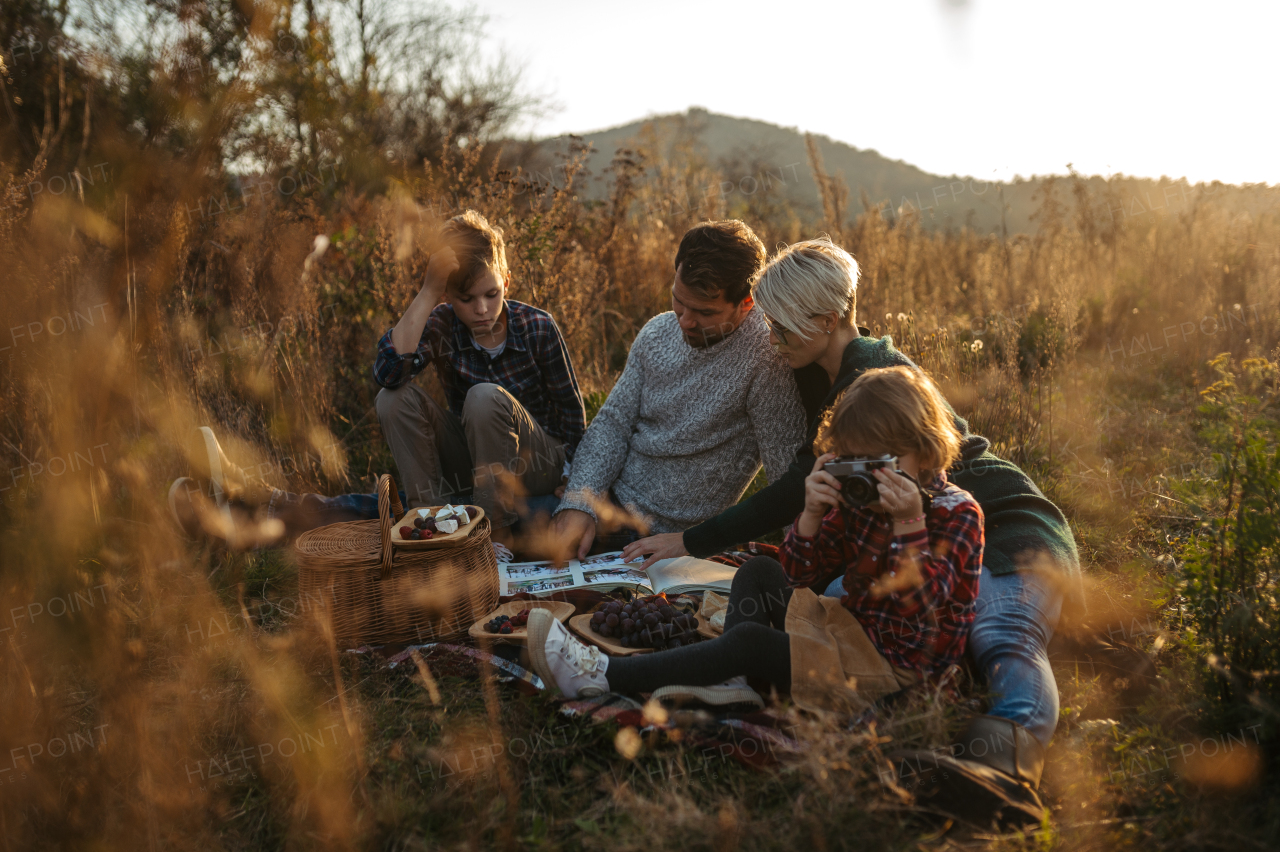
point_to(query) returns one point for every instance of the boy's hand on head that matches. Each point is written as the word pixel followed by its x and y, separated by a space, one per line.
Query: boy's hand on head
pixel 899 496
pixel 821 495
pixel 441 265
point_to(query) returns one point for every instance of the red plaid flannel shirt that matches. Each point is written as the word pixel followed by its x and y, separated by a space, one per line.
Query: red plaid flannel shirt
pixel 924 629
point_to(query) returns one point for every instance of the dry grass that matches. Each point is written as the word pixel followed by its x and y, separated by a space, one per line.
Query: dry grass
pixel 177 655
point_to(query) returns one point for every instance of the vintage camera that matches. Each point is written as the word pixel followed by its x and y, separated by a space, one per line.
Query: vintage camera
pixel 858 485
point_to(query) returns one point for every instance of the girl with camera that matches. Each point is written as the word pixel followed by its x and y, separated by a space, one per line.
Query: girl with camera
pixel 911 576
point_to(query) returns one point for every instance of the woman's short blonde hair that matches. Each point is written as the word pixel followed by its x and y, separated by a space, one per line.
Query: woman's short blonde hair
pixel 896 410
pixel 805 280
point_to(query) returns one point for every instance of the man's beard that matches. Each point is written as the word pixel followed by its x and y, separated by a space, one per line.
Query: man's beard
pixel 704 337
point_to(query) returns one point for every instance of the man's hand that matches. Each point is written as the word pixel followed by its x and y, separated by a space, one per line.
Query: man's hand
pixel 661 546
pixel 821 495
pixel 573 529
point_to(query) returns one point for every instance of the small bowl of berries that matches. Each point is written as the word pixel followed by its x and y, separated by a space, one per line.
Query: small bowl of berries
pixel 509 623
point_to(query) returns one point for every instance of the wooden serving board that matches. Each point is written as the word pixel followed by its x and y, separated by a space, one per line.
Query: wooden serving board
pixel 705 630
pixel 437 540
pixel 581 625
pixel 518 635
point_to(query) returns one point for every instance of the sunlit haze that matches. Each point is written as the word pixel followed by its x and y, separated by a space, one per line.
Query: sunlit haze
pixel 989 88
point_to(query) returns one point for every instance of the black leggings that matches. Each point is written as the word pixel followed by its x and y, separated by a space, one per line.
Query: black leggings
pixel 754 642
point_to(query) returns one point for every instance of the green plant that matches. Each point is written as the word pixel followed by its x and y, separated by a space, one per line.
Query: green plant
pixel 1231 568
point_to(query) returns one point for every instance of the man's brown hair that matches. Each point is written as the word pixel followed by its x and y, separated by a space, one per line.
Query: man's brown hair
pixel 897 410
pixel 720 258
pixel 478 246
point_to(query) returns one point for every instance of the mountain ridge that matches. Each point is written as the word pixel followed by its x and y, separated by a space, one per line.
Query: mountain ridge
pixel 747 150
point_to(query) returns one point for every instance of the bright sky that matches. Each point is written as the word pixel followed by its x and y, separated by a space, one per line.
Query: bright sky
pixel 984 88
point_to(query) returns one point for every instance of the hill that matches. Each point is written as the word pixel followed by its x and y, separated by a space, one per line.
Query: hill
pixel 753 157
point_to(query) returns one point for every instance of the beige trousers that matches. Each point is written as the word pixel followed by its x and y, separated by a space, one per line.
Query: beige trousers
pixel 834 664
pixel 496 449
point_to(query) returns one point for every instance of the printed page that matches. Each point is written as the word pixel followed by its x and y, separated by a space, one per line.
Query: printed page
pixel 538 578
pixel 689 574
pixel 608 569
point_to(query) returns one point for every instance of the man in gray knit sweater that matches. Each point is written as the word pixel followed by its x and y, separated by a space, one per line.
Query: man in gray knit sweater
pixel 703 400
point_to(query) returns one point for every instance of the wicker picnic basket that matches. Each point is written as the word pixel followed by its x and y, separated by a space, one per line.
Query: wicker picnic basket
pixel 375 593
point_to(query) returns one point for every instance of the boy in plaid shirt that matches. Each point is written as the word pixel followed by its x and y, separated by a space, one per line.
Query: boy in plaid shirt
pixel 514 408
pixel 514 415
pixel 911 577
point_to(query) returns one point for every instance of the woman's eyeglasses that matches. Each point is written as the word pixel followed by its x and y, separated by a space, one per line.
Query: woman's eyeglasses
pixel 782 332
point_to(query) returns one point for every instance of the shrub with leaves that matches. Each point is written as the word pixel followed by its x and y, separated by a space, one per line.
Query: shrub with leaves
pixel 1229 577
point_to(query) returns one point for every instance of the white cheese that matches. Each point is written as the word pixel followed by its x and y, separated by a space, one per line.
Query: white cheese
pixel 449 526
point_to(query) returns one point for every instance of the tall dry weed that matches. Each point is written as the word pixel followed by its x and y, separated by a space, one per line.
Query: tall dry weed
pixel 152 686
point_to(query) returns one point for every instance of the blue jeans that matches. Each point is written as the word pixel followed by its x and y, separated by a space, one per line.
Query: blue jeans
pixel 302 512
pixel 1016 616
pixel 1015 619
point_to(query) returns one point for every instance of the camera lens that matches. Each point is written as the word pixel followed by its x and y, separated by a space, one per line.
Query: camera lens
pixel 860 489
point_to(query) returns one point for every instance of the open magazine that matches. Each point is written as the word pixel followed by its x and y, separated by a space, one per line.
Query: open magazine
pixel 607 571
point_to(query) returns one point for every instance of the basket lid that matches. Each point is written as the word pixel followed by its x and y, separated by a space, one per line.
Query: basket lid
pixel 347 546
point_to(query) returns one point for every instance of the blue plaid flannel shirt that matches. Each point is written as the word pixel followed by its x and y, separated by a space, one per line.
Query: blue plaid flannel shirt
pixel 534 367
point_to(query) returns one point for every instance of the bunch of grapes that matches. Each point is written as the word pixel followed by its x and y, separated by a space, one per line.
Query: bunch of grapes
pixel 645 623
pixel 505 624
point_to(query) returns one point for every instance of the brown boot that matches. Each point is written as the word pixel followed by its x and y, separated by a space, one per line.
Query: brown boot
pixel 989 776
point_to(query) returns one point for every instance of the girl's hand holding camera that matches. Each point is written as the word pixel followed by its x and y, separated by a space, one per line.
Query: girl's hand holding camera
pixel 821 495
pixel 900 497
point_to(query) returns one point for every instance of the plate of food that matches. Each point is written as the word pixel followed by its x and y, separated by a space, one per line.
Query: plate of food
pixel 435 526
pixel 637 627
pixel 509 623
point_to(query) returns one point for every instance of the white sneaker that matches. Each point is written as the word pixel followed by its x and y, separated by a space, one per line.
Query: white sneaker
pixel 732 691
pixel 573 667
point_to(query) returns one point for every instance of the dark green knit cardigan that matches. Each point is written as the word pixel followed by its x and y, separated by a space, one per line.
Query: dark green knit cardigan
pixel 1022 525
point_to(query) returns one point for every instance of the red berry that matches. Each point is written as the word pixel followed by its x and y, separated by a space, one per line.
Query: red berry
pixel 505 628
pixel 404 531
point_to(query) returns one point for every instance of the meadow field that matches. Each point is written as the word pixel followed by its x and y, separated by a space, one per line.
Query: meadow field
pixel 1126 357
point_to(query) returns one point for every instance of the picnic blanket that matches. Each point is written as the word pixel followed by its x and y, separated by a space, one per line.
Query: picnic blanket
pixel 755 739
